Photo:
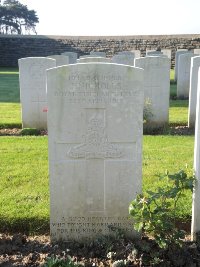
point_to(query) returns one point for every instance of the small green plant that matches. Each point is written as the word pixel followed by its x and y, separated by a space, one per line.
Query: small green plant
pixel 155 212
pixel 60 262
pixel 30 131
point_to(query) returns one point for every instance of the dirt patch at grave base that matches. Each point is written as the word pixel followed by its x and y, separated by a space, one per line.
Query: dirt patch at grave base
pixel 17 132
pixel 21 250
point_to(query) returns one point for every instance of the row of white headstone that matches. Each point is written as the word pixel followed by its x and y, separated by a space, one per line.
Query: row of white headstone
pixel 186 74
pixel 33 84
pixel 95 125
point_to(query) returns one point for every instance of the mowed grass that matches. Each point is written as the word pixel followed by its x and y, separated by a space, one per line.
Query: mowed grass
pixel 10 115
pixel 10 107
pixel 178 112
pixel 24 186
pixel 168 153
pixel 9 88
pixel 24 193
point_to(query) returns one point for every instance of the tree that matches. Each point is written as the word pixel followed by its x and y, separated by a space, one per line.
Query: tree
pixel 16 18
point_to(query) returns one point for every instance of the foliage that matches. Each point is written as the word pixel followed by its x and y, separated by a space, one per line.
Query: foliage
pixel 155 212
pixel 16 18
pixel 60 262
pixel 30 131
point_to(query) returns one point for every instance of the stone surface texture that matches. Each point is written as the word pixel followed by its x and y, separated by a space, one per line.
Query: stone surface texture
pixel 95 127
pixel 40 45
pixel 32 77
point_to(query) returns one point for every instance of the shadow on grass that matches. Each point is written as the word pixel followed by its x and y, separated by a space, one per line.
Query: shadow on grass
pixel 178 103
pixel 9 88
pixel 10 125
pixel 26 226
pixel 168 129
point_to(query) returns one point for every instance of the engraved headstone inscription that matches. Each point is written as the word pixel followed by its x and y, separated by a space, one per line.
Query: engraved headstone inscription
pixel 32 77
pixel 156 88
pixel 95 127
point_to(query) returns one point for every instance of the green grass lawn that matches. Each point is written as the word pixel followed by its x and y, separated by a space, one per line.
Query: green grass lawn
pixel 10 115
pixel 24 192
pixel 9 88
pixel 178 112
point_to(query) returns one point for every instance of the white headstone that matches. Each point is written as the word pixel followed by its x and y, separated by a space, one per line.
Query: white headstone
pixel 127 53
pixel 167 52
pixel 178 53
pixel 197 51
pixel 91 56
pixel 93 59
pixel 98 53
pixel 95 148
pixel 32 77
pixel 183 77
pixel 153 53
pixel 196 192
pixel 60 59
pixel 72 56
pixel 195 64
pixel 136 52
pixel 126 58
pixel 156 87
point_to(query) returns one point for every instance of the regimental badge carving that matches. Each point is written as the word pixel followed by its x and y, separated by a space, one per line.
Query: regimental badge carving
pixel 96 143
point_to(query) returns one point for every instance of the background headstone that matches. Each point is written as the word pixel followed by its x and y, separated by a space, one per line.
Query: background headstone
pixel 136 52
pixel 72 57
pixel 126 58
pixel 32 77
pixel 183 77
pixel 178 53
pixel 197 51
pixel 167 52
pixel 95 148
pixel 98 53
pixel 60 59
pixel 93 59
pixel 156 88
pixel 153 53
pixel 195 64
